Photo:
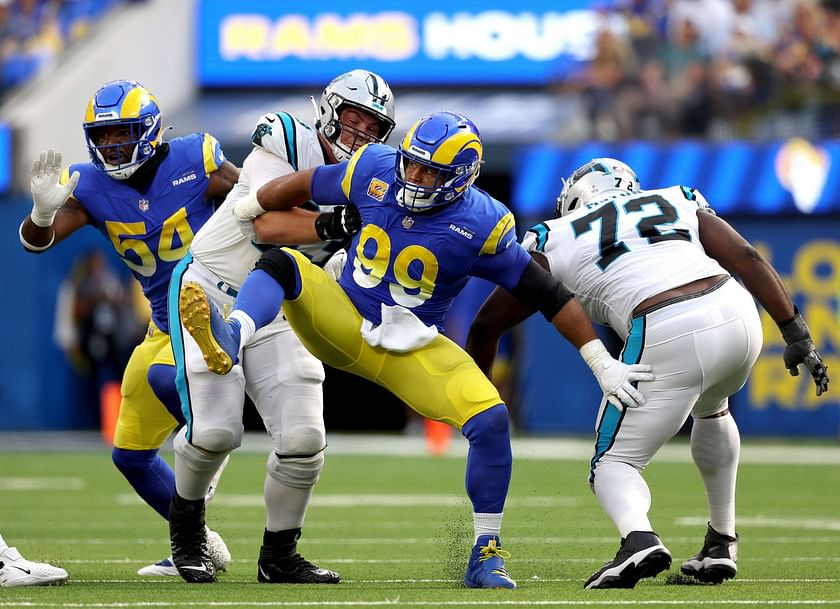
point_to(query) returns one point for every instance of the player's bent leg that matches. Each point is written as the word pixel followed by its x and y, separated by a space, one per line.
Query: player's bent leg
pixel 489 462
pixel 197 552
pixel 217 338
pixel 290 478
pixel 16 571
pixel 150 476
pixel 161 379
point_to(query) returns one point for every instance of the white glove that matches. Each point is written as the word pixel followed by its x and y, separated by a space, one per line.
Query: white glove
pixel 48 195
pixel 616 378
pixel 335 265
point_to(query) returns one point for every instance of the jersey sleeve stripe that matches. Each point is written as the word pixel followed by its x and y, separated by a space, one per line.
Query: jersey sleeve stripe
pixel 210 148
pixel 688 193
pixel 503 227
pixel 290 132
pixel 541 231
pixel 347 180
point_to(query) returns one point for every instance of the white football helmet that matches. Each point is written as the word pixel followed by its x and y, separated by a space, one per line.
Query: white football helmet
pixel 594 180
pixel 359 89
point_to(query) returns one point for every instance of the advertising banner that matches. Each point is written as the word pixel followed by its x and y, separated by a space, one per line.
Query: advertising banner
pixel 793 176
pixel 277 44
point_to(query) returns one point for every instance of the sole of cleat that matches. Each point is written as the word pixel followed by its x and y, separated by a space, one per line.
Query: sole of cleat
pixel 713 574
pixel 195 315
pixel 650 566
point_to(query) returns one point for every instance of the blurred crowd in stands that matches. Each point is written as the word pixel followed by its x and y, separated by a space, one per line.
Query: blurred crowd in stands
pixel 34 32
pixel 717 69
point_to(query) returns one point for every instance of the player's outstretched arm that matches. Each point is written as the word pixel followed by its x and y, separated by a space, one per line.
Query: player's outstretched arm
pixel 500 312
pixel 739 257
pixel 54 214
pixel 538 290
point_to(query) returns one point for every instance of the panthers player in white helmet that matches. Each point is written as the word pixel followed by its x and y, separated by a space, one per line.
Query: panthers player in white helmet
pixel 656 266
pixel 277 372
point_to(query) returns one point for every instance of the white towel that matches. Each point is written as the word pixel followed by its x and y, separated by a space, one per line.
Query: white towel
pixel 400 330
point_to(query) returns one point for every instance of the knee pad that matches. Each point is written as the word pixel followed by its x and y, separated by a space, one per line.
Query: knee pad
pixel 282 269
pixel 211 440
pixel 300 472
pixel 302 441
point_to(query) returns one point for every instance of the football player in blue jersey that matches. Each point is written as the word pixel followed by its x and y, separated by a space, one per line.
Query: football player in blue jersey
pixel 424 230
pixel 148 198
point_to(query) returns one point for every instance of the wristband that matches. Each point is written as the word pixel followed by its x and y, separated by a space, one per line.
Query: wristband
pixel 34 248
pixel 593 353
pixel 248 208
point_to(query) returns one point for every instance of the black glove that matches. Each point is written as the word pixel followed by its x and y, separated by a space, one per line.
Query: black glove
pixel 341 222
pixel 801 350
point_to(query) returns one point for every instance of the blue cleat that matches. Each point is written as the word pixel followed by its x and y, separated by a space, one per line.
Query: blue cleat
pixel 217 338
pixel 486 568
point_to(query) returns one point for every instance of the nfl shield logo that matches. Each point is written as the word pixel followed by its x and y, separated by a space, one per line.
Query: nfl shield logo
pixel 407 222
pixel 143 204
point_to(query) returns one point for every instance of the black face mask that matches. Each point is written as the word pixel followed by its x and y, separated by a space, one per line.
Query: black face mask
pixel 141 179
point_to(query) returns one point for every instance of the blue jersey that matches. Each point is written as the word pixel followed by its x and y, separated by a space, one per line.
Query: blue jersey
pixel 416 260
pixel 152 231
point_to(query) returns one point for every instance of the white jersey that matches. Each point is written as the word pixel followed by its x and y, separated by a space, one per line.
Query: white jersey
pixel 616 252
pixel 282 145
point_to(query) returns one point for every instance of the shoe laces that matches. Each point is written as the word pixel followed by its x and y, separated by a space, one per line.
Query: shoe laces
pixel 490 550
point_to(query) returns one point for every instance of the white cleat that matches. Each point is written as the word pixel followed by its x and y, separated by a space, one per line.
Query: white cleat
pixel 15 571
pixel 164 568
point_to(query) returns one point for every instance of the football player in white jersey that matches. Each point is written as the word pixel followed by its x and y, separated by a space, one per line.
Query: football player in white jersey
pixel 657 267
pixel 278 373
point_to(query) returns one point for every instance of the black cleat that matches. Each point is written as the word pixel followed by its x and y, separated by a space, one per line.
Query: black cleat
pixel 641 555
pixel 280 563
pixel 716 562
pixel 189 541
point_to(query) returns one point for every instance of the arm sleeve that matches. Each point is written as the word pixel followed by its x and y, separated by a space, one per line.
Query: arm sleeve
pixel 539 289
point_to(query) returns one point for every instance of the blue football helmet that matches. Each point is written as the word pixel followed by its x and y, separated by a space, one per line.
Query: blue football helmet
pixel 123 103
pixel 595 180
pixel 449 146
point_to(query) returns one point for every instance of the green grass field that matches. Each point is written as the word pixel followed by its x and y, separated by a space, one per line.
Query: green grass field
pixel 398 529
